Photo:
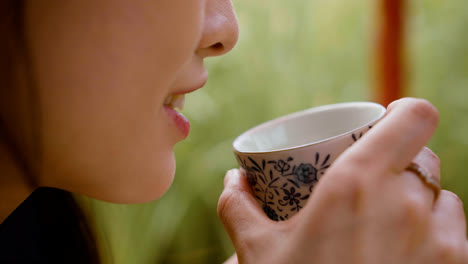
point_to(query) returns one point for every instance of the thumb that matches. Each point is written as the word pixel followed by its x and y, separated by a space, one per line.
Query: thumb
pixel 237 208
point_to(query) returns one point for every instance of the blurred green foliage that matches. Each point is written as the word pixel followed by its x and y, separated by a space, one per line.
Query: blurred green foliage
pixel 291 55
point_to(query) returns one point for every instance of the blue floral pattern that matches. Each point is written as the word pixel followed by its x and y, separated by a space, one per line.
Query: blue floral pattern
pixel 306 173
pixel 271 213
pixel 282 186
pixel 357 136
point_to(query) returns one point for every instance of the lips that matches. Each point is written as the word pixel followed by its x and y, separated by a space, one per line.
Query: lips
pixel 180 121
pixel 177 101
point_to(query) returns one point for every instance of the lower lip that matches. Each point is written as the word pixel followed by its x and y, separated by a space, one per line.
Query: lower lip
pixel 180 121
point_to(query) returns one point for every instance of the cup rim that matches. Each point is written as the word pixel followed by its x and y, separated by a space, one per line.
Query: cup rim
pixel 305 112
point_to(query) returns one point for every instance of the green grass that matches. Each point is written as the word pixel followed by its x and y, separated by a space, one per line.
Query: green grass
pixel 291 55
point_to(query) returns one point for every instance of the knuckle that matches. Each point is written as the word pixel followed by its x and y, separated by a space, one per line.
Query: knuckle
pixel 453 197
pixel 413 210
pixel 447 253
pixel 351 188
pixel 432 156
pixel 226 198
pixel 424 110
pixel 357 162
pixel 356 189
pixel 230 205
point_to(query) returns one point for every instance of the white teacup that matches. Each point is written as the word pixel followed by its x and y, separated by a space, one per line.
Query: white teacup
pixel 284 158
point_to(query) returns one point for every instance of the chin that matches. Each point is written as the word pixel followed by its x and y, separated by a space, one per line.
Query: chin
pixel 156 185
pixel 158 190
pixel 139 186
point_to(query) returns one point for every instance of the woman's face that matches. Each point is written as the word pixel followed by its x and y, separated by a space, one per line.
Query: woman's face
pixel 105 72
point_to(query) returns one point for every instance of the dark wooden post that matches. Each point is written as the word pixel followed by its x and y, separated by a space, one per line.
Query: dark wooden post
pixel 390 54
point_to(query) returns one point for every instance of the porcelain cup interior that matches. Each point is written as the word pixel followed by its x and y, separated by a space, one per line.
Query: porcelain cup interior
pixel 308 127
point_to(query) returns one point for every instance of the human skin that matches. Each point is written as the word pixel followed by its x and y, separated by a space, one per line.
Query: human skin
pixel 367 209
pixel 102 71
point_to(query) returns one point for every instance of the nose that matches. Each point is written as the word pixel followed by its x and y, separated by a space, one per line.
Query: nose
pixel 220 29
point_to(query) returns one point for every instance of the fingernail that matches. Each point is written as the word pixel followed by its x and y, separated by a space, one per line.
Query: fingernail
pixel 230 177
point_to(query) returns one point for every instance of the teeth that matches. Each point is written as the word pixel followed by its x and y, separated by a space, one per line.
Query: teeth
pixel 168 100
pixel 176 101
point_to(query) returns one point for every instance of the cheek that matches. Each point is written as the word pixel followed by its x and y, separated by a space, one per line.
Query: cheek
pixel 103 71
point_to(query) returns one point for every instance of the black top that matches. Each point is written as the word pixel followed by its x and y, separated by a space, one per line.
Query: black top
pixel 46 228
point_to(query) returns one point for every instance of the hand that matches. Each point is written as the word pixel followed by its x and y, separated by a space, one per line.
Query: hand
pixel 367 209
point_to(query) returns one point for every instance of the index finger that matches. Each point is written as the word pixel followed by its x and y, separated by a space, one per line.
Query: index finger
pixel 387 149
pixel 393 143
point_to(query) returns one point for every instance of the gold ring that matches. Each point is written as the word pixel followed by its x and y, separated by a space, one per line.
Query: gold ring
pixel 426 177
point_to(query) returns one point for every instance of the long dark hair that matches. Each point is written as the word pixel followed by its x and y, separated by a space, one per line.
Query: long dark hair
pixel 14 53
